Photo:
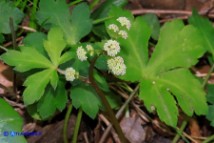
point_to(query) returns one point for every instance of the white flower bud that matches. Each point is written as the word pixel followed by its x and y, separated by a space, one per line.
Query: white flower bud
pixel 124 22
pixel 123 34
pixel 113 27
pixel 71 74
pixel 81 54
pixel 112 47
pixel 116 66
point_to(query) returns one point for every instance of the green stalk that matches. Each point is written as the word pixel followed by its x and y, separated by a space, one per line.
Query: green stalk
pixel 77 126
pixel 108 109
pixel 75 2
pixel 13 34
pixel 208 76
pixel 98 21
pixel 209 139
pixel 179 132
pixel 65 127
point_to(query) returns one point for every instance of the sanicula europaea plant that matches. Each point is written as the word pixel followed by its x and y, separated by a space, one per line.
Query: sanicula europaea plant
pixel 67 50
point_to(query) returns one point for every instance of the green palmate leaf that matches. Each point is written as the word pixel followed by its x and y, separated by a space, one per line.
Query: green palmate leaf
pixel 55 45
pixel 26 59
pixel 85 97
pixel 189 94
pixel 206 29
pixel 7 10
pixel 10 122
pixel 60 96
pixel 166 74
pixel 136 48
pixel 36 85
pixel 160 99
pixel 56 12
pixel 49 103
pixel 35 40
pixel 45 106
pixel 186 44
pixel 81 23
pixel 53 12
pixel 153 22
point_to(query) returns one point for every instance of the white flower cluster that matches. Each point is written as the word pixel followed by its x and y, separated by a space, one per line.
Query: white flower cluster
pixel 117 66
pixel 81 52
pixel 112 47
pixel 123 34
pixel 113 27
pixel 124 22
pixel 71 74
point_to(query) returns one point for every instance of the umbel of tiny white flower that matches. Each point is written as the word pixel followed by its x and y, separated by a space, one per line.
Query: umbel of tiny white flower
pixel 71 74
pixel 112 47
pixel 90 49
pixel 124 22
pixel 116 66
pixel 123 34
pixel 81 54
pixel 113 27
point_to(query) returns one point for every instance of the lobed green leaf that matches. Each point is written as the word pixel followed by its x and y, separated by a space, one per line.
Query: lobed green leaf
pixel 35 86
pixel 7 11
pixel 56 13
pixel 180 50
pixel 85 97
pixel 134 49
pixel 206 30
pixel 26 59
pixel 55 44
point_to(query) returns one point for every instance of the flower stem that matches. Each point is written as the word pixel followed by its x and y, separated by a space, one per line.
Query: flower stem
pixel 77 126
pixel 65 127
pixel 108 109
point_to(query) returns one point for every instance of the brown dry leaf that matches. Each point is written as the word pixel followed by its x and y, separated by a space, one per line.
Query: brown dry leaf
pixel 194 129
pixel 133 130
pixel 6 75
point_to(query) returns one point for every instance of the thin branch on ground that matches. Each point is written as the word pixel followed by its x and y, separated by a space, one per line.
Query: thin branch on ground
pixel 161 11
